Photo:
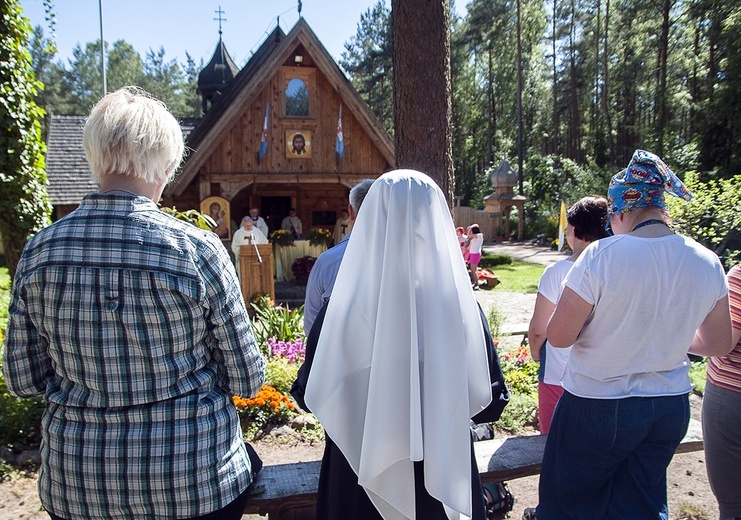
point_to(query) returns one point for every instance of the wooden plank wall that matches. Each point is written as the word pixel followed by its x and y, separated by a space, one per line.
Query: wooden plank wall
pixel 237 151
pixel 465 216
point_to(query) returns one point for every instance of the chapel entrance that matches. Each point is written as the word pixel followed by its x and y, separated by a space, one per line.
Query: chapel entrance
pixel 274 209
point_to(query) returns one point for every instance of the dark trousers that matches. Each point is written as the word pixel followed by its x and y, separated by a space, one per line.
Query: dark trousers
pixel 607 458
pixel 232 511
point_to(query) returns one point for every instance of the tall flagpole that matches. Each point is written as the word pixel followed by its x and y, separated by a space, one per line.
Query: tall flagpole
pixel 102 47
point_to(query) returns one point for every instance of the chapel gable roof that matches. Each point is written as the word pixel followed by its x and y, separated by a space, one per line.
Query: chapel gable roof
pixel 275 51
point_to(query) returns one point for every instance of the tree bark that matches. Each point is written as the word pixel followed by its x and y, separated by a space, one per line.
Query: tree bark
pixel 661 94
pixel 422 89
pixel 606 86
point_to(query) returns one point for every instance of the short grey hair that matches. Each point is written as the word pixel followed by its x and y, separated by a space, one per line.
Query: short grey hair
pixel 358 193
pixel 245 219
pixel 131 133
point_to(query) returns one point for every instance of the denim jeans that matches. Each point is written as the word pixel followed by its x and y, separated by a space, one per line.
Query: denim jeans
pixel 607 458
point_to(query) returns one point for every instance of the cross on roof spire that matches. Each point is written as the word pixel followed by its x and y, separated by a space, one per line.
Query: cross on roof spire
pixel 219 12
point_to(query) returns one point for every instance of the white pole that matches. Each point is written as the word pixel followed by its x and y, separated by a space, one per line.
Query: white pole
pixel 102 47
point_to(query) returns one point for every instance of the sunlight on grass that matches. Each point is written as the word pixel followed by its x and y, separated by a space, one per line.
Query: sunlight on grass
pixel 519 277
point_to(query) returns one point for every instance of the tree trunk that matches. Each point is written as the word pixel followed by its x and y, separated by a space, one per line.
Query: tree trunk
pixel 422 89
pixel 661 94
pixel 519 106
pixel 555 85
pixel 606 86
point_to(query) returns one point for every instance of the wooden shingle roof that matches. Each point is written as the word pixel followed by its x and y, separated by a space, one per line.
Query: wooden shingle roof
pixel 67 170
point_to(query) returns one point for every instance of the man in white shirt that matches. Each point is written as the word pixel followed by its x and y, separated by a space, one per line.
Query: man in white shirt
pixel 292 223
pixel 258 221
pixel 323 274
pixel 245 235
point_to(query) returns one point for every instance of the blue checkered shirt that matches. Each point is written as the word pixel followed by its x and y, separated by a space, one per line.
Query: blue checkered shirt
pixel 132 326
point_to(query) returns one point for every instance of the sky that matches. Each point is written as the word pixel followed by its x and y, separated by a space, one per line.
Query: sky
pixel 190 25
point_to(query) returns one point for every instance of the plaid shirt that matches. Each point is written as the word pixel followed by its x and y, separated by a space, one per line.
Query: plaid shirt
pixel 132 325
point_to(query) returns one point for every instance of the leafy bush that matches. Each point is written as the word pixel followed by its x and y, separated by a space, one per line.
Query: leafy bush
pixel 520 371
pixel 713 216
pixel 20 419
pixel 490 260
pixel 280 373
pixel 4 302
pixel 277 322
pixel 697 376
pixel 519 414
pixel 495 318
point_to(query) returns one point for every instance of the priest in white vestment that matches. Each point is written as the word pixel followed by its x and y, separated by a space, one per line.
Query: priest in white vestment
pixel 247 234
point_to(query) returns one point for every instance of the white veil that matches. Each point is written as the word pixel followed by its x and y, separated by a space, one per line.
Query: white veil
pixel 401 366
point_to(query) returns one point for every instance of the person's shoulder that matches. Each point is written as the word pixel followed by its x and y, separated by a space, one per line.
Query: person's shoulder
pixel 332 255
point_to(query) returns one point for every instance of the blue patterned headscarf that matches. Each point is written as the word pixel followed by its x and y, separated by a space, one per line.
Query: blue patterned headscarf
pixel 642 184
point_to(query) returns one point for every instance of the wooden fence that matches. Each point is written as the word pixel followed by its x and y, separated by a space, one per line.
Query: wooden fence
pixel 464 216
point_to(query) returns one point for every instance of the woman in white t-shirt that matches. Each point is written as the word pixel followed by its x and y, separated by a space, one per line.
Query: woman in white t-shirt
pixel 633 305
pixel 586 223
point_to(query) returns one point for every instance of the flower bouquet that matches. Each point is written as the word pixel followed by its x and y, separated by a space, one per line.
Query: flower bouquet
pixel 282 237
pixel 320 237
pixel 301 267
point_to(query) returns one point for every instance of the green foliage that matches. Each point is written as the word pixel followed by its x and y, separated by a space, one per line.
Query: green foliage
pixel 4 302
pixel 697 376
pixel 693 512
pixel 268 408
pixel 519 414
pixel 713 216
pixel 495 318
pixel 24 203
pixel 490 260
pixel 519 277
pixel 20 419
pixel 191 216
pixel 74 87
pixel 277 322
pixel 550 180
pixel 368 60
pixel 521 374
pixel 281 373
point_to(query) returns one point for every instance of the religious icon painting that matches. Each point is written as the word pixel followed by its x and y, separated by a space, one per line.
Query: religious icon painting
pixel 219 209
pixel 298 144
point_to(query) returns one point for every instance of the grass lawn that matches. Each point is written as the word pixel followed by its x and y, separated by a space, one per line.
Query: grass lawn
pixel 519 277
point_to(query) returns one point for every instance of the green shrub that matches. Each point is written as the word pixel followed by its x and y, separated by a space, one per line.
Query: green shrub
pixel 20 419
pixel 519 414
pixel 697 375
pixel 277 322
pixel 495 318
pixel 281 373
pixel 4 302
pixel 489 260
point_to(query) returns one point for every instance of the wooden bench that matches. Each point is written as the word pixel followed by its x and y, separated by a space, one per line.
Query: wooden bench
pixel 517 329
pixel 288 491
